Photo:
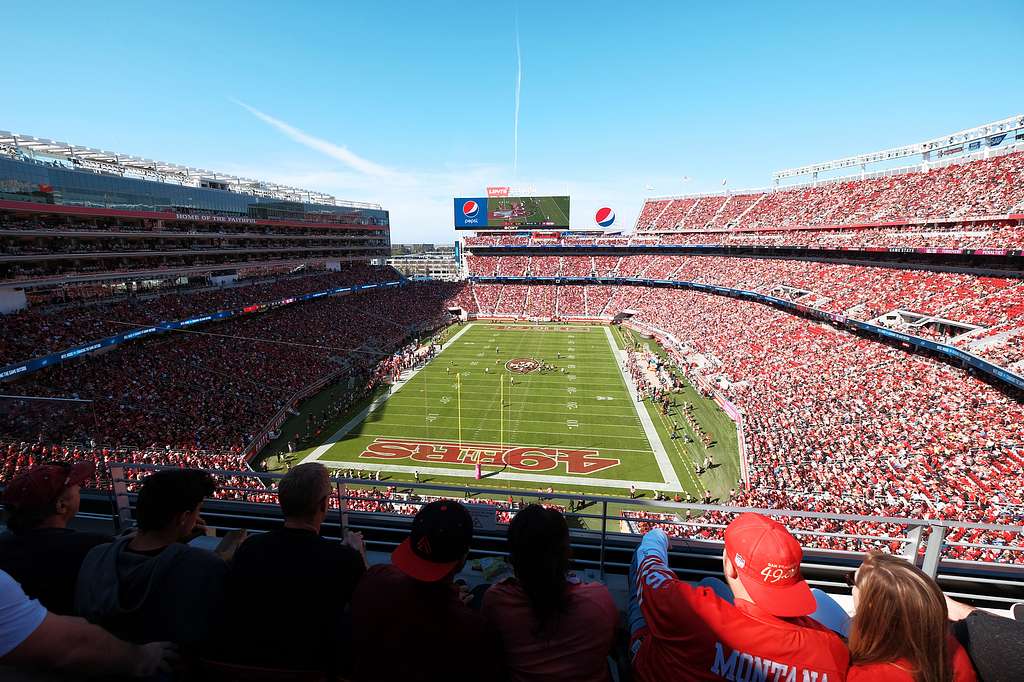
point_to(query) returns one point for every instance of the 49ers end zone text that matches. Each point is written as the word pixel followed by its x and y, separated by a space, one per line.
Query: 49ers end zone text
pixel 519 458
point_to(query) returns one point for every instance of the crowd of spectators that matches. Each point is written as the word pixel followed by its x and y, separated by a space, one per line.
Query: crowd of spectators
pixel 538 266
pixel 91 245
pixel 20 456
pixel 539 303
pixel 37 331
pixel 1007 234
pixel 215 386
pixel 991 306
pixel 962 205
pixel 570 300
pixel 512 266
pixel 245 486
pixel 392 500
pixel 576 267
pixel 838 423
pixel 674 213
pixel 898 435
pixel 975 188
pixel 949 234
pixel 163 601
pixel 651 210
pixel 705 209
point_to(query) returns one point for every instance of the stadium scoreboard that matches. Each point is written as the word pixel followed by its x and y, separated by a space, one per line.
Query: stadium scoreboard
pixel 511 213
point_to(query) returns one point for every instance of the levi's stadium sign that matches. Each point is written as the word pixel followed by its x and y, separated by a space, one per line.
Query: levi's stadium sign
pixel 498 191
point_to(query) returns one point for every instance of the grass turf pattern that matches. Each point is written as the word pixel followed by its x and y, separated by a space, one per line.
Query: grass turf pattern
pixel 572 427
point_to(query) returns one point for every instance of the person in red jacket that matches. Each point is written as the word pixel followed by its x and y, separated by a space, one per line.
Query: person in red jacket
pixel 901 632
pixel 686 632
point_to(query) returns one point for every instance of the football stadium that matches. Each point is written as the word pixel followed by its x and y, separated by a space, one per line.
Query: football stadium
pixel 767 433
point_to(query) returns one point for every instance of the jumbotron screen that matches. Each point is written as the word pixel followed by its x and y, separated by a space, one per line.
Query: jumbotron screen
pixel 511 213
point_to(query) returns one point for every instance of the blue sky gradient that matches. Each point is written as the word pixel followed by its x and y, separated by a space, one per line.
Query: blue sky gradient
pixel 411 103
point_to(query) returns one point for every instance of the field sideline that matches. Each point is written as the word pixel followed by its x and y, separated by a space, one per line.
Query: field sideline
pixel 574 426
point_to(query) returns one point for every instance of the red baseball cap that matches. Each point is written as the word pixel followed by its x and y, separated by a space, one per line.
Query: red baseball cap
pixel 767 559
pixel 42 484
pixel 441 534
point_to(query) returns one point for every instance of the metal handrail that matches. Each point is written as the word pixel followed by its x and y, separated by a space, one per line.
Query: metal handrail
pixel 928 535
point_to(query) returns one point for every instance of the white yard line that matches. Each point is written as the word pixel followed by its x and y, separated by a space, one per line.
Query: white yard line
pixel 517 444
pixel 668 473
pixel 602 417
pixel 405 429
pixel 555 203
pixel 372 407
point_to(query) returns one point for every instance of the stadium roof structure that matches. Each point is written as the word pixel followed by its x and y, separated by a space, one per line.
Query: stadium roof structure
pixel 937 144
pixel 127 165
pixel 963 146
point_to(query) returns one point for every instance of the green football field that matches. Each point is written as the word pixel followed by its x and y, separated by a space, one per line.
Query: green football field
pixel 540 210
pixel 488 401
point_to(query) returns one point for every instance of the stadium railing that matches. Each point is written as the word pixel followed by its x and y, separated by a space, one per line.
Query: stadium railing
pixel 603 540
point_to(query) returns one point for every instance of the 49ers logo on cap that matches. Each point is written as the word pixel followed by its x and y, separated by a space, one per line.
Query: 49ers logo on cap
pixel 522 365
pixel 774 573
pixel 423 546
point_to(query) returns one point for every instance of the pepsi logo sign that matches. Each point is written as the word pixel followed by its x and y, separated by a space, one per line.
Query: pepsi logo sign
pixel 604 217
pixel 470 209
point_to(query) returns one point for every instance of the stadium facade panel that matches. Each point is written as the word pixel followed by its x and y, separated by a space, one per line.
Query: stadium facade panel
pixel 52 184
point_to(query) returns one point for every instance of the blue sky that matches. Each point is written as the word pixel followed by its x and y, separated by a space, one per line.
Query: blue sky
pixel 411 103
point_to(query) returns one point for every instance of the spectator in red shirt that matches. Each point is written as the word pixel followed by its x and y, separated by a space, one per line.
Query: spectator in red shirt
pixel 409 619
pixel 901 632
pixel 681 631
pixel 550 626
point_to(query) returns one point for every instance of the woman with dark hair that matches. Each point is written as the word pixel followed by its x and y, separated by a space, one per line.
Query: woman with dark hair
pixel 551 626
pixel 900 630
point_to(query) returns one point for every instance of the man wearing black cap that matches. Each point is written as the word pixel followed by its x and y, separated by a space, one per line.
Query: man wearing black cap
pixel 40 551
pixel 410 621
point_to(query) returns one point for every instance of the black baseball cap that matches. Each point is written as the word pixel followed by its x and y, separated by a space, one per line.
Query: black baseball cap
pixel 441 534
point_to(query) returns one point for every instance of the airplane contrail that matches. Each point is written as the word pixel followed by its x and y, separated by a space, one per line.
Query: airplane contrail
pixel 343 154
pixel 519 85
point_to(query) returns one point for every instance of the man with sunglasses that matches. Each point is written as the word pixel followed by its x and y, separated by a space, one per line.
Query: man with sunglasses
pixel 40 551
